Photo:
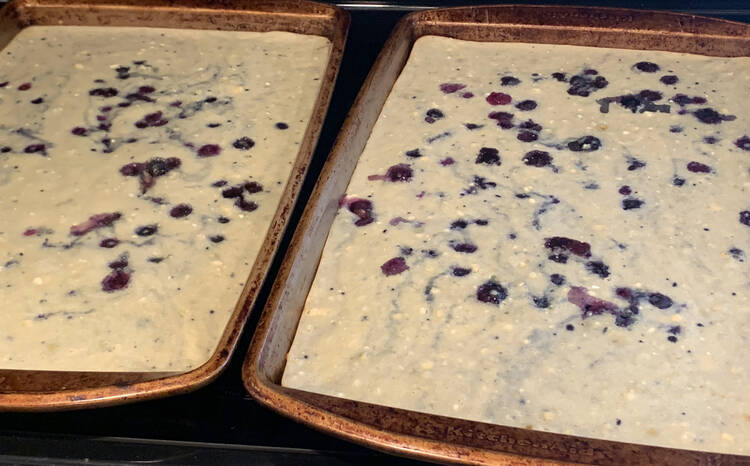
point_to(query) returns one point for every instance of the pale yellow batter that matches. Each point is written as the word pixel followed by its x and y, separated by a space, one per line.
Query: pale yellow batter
pixel 547 237
pixel 139 171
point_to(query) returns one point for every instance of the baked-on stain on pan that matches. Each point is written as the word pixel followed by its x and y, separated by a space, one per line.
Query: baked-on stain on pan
pixel 426 436
pixel 31 390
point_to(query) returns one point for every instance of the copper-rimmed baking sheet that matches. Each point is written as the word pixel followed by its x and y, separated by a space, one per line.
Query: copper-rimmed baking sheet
pixel 48 390
pixel 427 436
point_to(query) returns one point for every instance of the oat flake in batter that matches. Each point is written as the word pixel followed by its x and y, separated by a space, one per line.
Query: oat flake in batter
pixel 139 171
pixel 547 236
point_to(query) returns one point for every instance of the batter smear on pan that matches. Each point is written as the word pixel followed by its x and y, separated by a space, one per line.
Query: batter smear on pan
pixel 139 171
pixel 568 250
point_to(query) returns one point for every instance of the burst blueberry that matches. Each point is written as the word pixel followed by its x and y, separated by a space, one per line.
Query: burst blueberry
pixel 363 209
pixel 498 98
pixel 561 243
pixel 399 172
pixel 394 266
pixel 450 88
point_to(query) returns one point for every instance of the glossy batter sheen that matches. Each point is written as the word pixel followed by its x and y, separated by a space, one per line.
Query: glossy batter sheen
pixel 549 237
pixel 139 171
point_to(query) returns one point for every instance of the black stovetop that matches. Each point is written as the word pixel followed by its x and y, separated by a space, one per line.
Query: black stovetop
pixel 221 424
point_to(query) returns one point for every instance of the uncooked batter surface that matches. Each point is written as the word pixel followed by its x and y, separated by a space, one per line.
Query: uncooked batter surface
pixel 549 237
pixel 139 172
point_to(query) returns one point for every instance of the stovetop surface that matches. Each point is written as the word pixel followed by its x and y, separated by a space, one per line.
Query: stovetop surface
pixel 220 423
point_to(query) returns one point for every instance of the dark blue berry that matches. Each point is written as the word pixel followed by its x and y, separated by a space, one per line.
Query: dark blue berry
pixel 104 92
pixel 526 105
pixel 467 248
pixel 253 187
pixel 180 210
pixel 743 143
pixel 488 156
pixel 659 300
pixel 542 302
pixel 646 67
pixel 527 136
pixel 247 206
pixel 711 116
pixel 598 268
pixel 559 258
pixel 146 230
pixel 232 192
pixel 491 292
pixel 509 81
pixel 697 167
pixel 557 279
pixel 414 153
pixel 585 144
pixel 433 115
pixel 460 271
pixel 669 79
pixel 745 217
pixel 116 280
pixel 109 243
pixel 243 143
pixel 561 243
pixel 34 148
pixel 504 119
pixel 537 158
pixel 630 203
